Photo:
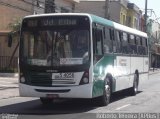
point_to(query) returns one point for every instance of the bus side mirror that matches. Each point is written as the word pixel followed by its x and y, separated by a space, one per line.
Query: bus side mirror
pixel 10 40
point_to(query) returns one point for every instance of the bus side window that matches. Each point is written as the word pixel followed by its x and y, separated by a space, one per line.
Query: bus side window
pixel 132 44
pixel 147 45
pixel 119 41
pixel 144 46
pixel 139 45
pixel 112 37
pixel 98 41
pixel 107 41
pixel 125 43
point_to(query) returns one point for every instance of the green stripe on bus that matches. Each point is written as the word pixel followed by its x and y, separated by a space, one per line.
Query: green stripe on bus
pixel 100 73
pixel 102 21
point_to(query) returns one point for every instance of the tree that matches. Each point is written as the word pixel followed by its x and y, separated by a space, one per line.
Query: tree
pixel 15 26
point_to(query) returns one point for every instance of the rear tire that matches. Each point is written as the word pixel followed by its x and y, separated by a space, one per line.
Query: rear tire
pixel 46 101
pixel 134 90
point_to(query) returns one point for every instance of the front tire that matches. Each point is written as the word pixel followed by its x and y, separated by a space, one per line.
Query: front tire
pixel 105 98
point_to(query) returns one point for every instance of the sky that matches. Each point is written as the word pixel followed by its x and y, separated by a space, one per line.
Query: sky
pixel 152 4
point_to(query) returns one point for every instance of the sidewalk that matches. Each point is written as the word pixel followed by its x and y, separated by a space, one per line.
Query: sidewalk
pixel 8 86
pixel 156 70
pixel 9 75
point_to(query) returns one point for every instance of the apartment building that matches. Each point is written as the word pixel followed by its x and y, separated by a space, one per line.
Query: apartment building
pixel 120 11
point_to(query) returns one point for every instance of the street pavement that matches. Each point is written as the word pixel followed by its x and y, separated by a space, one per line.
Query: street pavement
pixel 8 87
pixel 146 101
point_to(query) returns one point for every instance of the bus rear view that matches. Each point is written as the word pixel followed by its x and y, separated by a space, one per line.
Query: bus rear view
pixel 55 58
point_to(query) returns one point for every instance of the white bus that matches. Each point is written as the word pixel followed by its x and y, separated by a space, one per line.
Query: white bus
pixel 78 55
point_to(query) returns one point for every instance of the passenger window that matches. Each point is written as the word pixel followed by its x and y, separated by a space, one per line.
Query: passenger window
pixel 118 41
pixel 132 45
pixel 138 40
pixel 140 48
pixel 125 49
pixel 132 39
pixel 98 39
pixel 107 42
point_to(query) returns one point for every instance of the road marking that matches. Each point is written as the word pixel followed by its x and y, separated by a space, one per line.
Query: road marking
pixel 122 107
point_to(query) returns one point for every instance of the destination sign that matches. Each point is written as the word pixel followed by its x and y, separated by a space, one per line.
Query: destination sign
pixel 52 22
pixel 44 22
pixel 59 22
pixel 32 23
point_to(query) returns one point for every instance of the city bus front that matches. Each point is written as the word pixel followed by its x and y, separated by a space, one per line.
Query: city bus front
pixel 55 57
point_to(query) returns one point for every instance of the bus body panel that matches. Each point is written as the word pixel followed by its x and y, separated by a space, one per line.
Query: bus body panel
pixel 79 91
pixel 100 71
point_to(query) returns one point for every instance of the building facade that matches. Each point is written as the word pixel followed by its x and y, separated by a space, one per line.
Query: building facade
pixel 134 16
pixel 60 6
pixel 120 11
pixel 153 30
pixel 11 11
pixel 96 7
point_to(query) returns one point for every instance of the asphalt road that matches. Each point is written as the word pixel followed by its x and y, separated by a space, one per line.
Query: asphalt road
pixel 146 101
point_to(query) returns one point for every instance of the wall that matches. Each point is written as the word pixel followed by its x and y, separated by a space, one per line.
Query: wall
pixel 114 9
pixel 14 10
pixel 92 7
pixel 10 11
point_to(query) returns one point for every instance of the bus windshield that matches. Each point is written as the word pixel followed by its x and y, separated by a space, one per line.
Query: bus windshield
pixel 56 47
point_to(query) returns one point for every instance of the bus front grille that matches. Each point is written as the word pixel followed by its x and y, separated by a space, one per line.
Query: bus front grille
pixel 45 79
pixel 39 79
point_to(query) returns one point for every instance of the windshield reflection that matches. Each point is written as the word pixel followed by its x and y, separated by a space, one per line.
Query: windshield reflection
pixel 56 47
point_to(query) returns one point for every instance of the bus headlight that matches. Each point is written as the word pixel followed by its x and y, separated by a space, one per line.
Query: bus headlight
pixel 85 80
pixel 22 80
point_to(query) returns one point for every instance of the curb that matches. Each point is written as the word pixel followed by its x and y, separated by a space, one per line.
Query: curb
pixel 8 74
pixel 156 71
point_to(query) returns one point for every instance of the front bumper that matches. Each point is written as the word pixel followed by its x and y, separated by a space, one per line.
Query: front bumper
pixel 79 91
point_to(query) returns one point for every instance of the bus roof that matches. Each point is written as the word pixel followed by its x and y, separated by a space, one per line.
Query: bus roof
pixel 97 19
pixel 117 26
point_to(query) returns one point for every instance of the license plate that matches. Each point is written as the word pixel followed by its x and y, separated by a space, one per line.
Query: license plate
pixel 52 96
pixel 63 76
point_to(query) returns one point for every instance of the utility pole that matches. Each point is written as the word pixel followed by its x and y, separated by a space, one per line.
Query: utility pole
pixel 145 16
pixel 50 6
pixel 107 9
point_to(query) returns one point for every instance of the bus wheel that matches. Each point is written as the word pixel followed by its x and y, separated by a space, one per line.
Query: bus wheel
pixel 105 98
pixel 134 89
pixel 46 101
